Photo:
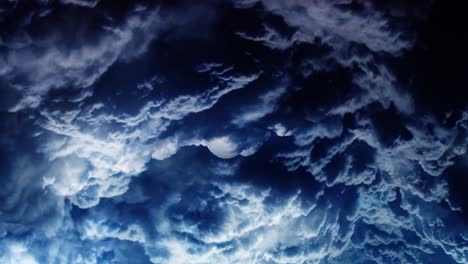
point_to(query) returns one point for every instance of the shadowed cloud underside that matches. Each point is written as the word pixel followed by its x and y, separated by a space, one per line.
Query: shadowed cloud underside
pixel 233 131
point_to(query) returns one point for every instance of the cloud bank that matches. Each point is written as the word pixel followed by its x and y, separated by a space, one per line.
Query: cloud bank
pixel 234 132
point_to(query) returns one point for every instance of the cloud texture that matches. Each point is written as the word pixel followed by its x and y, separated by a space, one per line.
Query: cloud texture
pixel 238 131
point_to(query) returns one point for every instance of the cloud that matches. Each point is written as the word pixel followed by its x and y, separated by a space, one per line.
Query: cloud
pixel 24 202
pixel 101 164
pixel 311 150
pixel 281 130
pixel 379 86
pixel 266 106
pixel 222 147
pixel 210 217
pixel 54 62
pixel 17 253
pixel 84 3
pixel 335 25
pixel 332 27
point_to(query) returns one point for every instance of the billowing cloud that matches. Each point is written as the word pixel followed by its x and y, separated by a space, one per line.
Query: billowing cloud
pixel 93 166
pixel 17 253
pixel 55 61
pixel 247 131
pixel 84 3
pixel 333 24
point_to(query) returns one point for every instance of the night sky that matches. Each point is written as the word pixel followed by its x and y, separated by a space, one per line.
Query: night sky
pixel 233 131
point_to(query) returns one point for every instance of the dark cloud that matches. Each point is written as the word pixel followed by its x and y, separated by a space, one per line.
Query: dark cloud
pixel 57 59
pixel 245 131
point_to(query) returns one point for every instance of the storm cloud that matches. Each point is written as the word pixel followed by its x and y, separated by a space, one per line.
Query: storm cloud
pixel 241 131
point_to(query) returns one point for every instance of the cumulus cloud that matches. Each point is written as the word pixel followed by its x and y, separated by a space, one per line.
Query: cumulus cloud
pixel 374 200
pixel 379 86
pixel 100 164
pixel 53 63
pixel 17 253
pixel 335 25
pixel 298 144
pixel 341 30
pixel 84 3
pixel 267 104
pixel 388 174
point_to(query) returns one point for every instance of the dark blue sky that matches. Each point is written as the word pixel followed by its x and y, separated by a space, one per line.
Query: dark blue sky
pixel 233 131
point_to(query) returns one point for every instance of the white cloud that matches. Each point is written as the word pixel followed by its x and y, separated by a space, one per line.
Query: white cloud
pixel 281 130
pixel 256 227
pixel 102 230
pixel 266 105
pixel 333 25
pixel 327 23
pixel 379 86
pixel 411 169
pixel 55 67
pixel 84 3
pixel 116 147
pixel 17 253
pixel 165 149
pixel 388 203
pixel 222 147
pixel 330 127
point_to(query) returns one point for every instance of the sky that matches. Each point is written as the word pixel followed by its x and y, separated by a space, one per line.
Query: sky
pixel 233 131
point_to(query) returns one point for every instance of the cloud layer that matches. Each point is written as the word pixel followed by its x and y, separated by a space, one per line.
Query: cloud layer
pixel 224 132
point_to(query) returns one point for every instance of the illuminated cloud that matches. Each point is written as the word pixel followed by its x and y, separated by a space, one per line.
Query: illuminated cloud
pixel 247 131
